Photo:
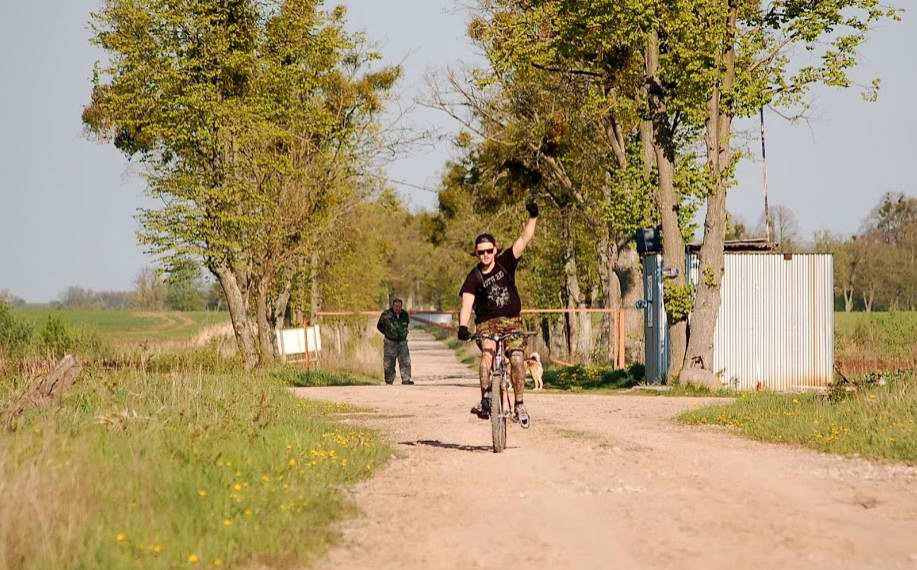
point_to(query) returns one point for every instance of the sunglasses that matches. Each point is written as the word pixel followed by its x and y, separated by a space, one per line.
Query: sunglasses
pixel 480 252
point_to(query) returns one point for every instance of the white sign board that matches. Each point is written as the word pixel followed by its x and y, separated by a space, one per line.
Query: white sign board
pixel 293 341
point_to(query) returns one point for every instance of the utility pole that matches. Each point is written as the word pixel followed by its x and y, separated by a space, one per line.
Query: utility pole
pixel 767 215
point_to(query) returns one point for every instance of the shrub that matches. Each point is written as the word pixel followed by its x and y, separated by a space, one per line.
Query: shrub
pixel 55 338
pixel 15 335
pixel 580 377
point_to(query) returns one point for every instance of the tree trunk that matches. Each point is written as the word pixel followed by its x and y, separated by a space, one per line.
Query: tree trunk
pixel 282 302
pixel 315 300
pixel 699 356
pixel 580 323
pixel 609 255
pixel 867 300
pixel 848 299
pixel 265 330
pixel 235 299
pixel 673 245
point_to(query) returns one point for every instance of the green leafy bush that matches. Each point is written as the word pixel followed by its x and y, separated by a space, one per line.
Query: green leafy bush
pixel 678 299
pixel 586 377
pixel 15 335
pixel 55 338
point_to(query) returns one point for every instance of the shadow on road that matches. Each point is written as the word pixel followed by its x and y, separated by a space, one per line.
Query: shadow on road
pixel 457 446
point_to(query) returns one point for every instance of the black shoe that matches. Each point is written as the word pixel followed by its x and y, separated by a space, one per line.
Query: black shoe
pixel 482 409
pixel 409 382
pixel 522 416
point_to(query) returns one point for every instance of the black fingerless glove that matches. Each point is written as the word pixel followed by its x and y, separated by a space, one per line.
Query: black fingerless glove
pixel 463 333
pixel 532 207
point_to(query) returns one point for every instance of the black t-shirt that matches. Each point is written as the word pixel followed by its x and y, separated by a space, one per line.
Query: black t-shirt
pixel 495 293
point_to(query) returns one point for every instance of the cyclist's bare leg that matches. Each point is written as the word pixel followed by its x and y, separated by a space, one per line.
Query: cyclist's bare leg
pixel 517 372
pixel 488 350
pixel 517 375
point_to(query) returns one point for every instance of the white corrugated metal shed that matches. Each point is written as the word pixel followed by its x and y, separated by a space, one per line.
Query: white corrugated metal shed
pixel 776 320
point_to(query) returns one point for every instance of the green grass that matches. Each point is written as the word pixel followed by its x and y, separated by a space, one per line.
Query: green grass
pixel 877 422
pixel 139 470
pixel 128 326
pixel 317 377
pixel 887 338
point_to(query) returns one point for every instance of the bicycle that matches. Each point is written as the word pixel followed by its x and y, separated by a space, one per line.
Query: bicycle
pixel 499 386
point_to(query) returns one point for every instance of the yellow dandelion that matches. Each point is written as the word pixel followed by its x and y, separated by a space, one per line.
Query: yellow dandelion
pixel 248 512
pixel 237 487
pixel 292 462
pixel 217 562
pixel 202 492
pixel 120 537
pixel 156 548
pixel 227 522
pixel 265 478
pixel 194 559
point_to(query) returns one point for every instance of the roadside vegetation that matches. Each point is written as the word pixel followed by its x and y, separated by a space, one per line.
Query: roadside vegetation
pixel 874 418
pixel 175 459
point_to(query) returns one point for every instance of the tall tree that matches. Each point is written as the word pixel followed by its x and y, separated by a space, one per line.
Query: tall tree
pixel 249 119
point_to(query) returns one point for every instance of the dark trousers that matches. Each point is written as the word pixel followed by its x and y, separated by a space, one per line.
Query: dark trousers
pixel 394 350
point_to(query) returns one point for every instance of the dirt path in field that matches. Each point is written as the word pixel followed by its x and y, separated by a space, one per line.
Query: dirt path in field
pixel 605 482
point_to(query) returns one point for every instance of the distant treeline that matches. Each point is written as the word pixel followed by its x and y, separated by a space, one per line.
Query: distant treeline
pixel 876 269
pixel 152 292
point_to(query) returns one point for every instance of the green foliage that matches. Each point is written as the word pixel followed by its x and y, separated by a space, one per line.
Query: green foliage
pixel 316 377
pixel 186 293
pixel 589 377
pixel 875 422
pixel 709 277
pixel 678 300
pixel 55 338
pixel 254 121
pixel 182 469
pixel 15 335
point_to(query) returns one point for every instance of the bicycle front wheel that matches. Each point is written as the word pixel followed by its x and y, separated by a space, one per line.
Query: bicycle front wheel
pixel 497 417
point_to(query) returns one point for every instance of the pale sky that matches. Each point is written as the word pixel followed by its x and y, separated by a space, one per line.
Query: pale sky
pixel 66 214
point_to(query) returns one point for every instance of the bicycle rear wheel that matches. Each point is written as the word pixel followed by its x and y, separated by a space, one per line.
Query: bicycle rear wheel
pixel 497 417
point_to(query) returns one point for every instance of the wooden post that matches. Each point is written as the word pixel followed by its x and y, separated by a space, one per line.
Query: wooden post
pixel 307 361
pixel 621 330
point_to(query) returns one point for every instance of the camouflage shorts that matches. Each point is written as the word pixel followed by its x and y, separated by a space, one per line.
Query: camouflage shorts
pixel 503 325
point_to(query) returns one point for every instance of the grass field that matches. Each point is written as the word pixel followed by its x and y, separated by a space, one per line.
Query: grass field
pixel 875 421
pixel 129 326
pixel 149 471
pixel 867 342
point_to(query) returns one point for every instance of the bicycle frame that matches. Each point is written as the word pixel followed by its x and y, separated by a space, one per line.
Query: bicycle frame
pixel 502 406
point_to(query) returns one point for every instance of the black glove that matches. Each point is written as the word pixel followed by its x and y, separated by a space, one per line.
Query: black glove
pixel 463 333
pixel 532 207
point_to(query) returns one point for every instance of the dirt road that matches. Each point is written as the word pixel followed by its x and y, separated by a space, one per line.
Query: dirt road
pixel 605 482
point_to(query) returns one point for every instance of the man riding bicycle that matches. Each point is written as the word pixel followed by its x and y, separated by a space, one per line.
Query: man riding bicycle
pixel 490 290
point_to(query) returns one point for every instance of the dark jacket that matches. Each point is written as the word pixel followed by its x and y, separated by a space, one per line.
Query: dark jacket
pixel 394 327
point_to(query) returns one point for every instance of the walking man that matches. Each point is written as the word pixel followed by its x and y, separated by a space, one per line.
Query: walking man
pixel 393 324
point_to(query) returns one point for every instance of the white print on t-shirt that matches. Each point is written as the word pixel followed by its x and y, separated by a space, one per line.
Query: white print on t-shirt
pixel 499 296
pixel 490 280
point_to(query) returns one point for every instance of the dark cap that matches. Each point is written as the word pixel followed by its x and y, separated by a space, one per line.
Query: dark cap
pixel 484 238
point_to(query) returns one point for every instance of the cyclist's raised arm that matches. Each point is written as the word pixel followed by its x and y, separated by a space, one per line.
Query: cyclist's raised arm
pixel 528 232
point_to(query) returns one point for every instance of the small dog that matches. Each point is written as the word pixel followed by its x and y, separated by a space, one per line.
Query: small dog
pixel 533 366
